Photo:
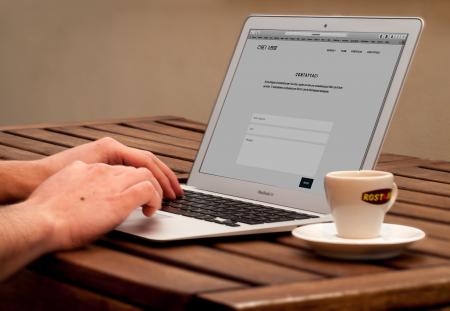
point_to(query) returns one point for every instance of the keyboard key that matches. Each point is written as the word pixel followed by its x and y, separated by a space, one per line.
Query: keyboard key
pixel 228 212
pixel 171 210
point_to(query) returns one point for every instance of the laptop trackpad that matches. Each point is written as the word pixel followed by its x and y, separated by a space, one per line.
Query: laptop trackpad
pixel 137 219
pixel 163 226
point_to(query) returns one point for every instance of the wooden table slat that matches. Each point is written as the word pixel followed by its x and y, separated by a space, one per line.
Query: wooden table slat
pixel 215 262
pixel 425 199
pixel 433 246
pixel 421 212
pixel 389 157
pixel 147 135
pixel 89 122
pixel 155 147
pixel 185 124
pixel 424 186
pixel 182 177
pixel 72 141
pixel 11 153
pixel 407 260
pixel 424 174
pixel 390 166
pixel 50 137
pixel 132 278
pixel 405 289
pixel 437 230
pixel 437 165
pixel 166 130
pixel 299 259
pixel 176 164
pixel 38 292
pixel 413 260
pixel 29 144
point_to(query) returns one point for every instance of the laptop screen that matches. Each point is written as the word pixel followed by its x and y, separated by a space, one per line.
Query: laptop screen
pixel 301 104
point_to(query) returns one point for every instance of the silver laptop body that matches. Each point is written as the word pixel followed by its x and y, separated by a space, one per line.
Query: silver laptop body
pixel 303 95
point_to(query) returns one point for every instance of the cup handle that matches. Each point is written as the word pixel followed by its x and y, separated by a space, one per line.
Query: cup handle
pixel 393 197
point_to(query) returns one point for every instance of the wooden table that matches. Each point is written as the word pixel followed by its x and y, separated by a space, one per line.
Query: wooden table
pixel 261 272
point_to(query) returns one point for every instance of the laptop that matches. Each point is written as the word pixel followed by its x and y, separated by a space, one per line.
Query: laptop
pixel 303 96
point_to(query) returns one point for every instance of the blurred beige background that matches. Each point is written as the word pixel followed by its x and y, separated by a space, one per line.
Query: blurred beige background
pixel 74 60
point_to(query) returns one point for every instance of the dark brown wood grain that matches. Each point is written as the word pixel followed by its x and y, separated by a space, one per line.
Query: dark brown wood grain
pixel 50 137
pixel 432 229
pixel 185 124
pixel 147 135
pixel 166 130
pixel 28 144
pixel 10 153
pixel 131 278
pixel 424 174
pixel 424 186
pixel 421 212
pixel 182 177
pixel 298 258
pixel 393 165
pixel 437 165
pixel 436 247
pixel 407 260
pixel 29 290
pixel 153 146
pixel 426 199
pixel 72 141
pixel 401 289
pixel 389 157
pixel 216 262
pixel 88 122
pixel 414 260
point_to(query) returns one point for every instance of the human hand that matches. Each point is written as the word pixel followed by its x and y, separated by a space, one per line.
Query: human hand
pixel 110 151
pixel 83 201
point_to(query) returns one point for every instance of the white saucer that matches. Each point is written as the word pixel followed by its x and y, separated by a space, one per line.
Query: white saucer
pixel 392 241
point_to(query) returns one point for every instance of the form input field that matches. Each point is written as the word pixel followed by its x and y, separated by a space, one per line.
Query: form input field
pixel 284 144
pixel 305 124
pixel 288 133
pixel 292 157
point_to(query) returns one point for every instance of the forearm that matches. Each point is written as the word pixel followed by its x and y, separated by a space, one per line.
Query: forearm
pixel 24 236
pixel 19 178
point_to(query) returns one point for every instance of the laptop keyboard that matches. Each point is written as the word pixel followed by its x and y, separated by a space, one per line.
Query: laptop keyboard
pixel 226 211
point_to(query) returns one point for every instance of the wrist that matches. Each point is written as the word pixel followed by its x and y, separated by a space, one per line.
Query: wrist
pixel 20 178
pixel 24 236
pixel 34 228
pixel 38 171
pixel 41 170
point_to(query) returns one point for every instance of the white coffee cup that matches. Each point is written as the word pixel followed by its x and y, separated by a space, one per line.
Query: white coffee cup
pixel 359 200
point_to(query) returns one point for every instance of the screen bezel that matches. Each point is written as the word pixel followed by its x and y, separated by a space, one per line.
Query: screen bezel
pixel 314 202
